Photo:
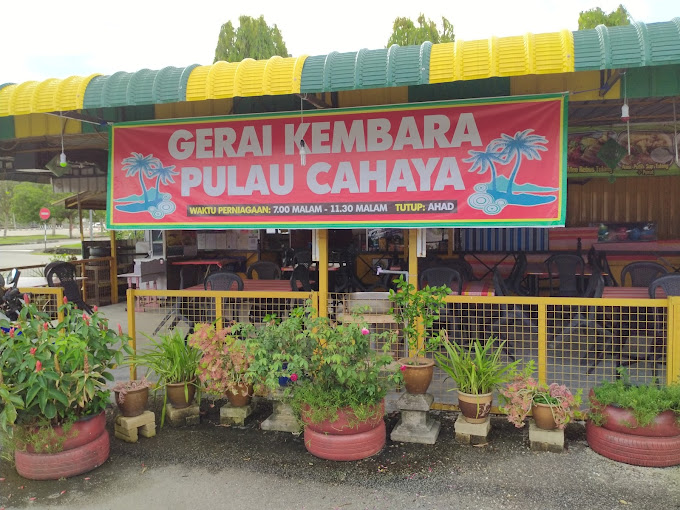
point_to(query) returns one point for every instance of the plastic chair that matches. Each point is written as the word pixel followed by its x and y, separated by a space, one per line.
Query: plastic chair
pixel 670 283
pixel 264 270
pixel 460 265
pixel 303 257
pixel 509 315
pixel 300 279
pixel 438 276
pixel 66 273
pixel 223 280
pixel 568 268
pixel 515 282
pixel 642 274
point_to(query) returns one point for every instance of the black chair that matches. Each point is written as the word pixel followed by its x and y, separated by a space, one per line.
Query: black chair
pixel 642 274
pixel 568 269
pixel 300 279
pixel 460 265
pixel 223 280
pixel 303 257
pixel 670 283
pixel 508 316
pixel 189 276
pixel 516 282
pixel 65 272
pixel 438 276
pixel 602 264
pixel 264 270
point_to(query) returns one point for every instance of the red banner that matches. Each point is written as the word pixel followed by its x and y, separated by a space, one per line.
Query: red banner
pixel 494 162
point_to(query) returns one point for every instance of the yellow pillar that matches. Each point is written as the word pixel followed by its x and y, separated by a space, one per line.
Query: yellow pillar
pixel 132 329
pixel 673 339
pixel 322 239
pixel 413 256
pixel 114 268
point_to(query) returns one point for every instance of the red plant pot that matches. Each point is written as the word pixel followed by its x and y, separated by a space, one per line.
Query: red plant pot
pixel 81 432
pixel 347 422
pixel 619 419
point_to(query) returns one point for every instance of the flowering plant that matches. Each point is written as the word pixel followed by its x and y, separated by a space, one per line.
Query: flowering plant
pixel 519 395
pixel 123 387
pixel 225 358
pixel 52 373
pixel 337 366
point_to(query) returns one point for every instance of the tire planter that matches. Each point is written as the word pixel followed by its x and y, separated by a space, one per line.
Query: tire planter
pixel 417 378
pixel 83 431
pixel 475 408
pixel 53 466
pixel 134 403
pixel 345 446
pixel 176 395
pixel 619 419
pixel 639 450
pixel 346 438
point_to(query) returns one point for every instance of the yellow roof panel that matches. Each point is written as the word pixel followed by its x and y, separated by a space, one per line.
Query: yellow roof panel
pixel 51 95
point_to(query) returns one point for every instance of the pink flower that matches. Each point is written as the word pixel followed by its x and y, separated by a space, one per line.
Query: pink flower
pixel 11 332
pixel 120 330
pixel 38 366
pixel 403 368
pixel 293 377
pixel 27 298
pixel 33 349
pixel 95 308
pixel 46 326
pixel 365 331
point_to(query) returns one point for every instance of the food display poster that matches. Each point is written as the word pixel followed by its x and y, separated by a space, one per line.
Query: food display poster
pixel 604 152
pixel 482 162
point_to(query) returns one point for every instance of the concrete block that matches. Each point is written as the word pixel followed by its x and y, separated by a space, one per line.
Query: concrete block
pixel 472 433
pixel 411 402
pixel 282 419
pixel 182 417
pixel 231 415
pixel 129 428
pixel 416 429
pixel 542 440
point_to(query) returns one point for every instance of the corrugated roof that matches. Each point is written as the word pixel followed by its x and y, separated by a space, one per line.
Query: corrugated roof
pixel 275 76
pixel 634 45
pixel 396 66
pixel 44 96
pixel 142 87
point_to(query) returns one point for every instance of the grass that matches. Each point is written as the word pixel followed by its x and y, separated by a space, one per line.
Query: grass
pixel 29 239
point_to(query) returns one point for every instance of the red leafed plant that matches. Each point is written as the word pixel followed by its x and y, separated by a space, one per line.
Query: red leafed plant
pixel 524 391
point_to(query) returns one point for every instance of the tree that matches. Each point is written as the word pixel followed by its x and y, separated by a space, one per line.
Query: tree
pixel 406 33
pixel 6 193
pixel 594 17
pixel 252 39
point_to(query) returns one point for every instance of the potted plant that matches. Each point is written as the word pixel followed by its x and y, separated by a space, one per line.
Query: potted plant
pixel 477 370
pixel 635 424
pixel 132 396
pixel 552 406
pixel 53 390
pixel 224 359
pixel 416 311
pixel 175 365
pixel 340 388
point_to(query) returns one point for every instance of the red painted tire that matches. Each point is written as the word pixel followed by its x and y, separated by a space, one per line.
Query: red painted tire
pixel 81 432
pixel 347 422
pixel 631 449
pixel 348 446
pixel 621 420
pixel 52 466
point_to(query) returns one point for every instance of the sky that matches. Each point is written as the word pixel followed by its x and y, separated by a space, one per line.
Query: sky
pixel 42 39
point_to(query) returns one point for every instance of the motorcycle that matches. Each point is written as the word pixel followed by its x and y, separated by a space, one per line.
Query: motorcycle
pixel 10 300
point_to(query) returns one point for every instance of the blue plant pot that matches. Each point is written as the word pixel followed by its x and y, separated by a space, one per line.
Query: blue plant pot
pixel 283 380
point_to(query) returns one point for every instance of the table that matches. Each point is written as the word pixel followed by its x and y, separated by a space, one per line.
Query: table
pixel 631 293
pixel 40 281
pixel 257 286
pixel 536 271
pixel 208 262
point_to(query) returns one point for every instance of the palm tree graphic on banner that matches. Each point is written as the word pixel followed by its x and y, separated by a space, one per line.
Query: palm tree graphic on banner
pixel 151 199
pixel 501 191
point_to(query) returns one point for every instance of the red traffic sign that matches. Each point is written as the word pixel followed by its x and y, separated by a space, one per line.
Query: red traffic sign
pixel 44 213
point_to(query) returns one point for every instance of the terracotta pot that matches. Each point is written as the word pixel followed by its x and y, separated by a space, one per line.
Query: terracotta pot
pixel 176 395
pixel 475 408
pixel 134 403
pixel 78 434
pixel 622 420
pixel 237 398
pixel 543 416
pixel 418 376
pixel 346 423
